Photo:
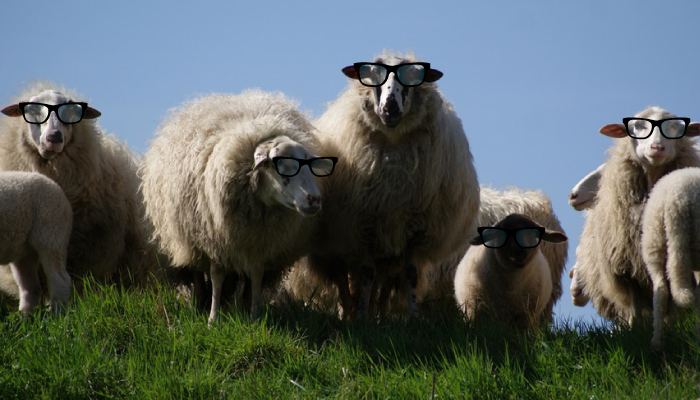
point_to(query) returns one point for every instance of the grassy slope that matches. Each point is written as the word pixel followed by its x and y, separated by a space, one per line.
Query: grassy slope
pixel 148 345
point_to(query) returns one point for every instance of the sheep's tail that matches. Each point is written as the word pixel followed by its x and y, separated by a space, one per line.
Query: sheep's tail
pixel 679 265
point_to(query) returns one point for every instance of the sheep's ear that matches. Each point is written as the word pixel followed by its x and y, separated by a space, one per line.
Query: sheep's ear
pixel 614 131
pixel 432 75
pixel 554 236
pixel 260 158
pixel 476 241
pixel 91 113
pixel 692 130
pixel 12 111
pixel 350 72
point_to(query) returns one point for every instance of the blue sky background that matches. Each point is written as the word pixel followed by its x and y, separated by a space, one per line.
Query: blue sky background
pixel 532 81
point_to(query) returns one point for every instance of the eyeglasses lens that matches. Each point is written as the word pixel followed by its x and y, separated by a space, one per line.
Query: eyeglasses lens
pixel 527 237
pixel 639 128
pixel 411 75
pixel 372 75
pixel 673 128
pixel 287 166
pixel 35 113
pixel 493 237
pixel 322 166
pixel 70 113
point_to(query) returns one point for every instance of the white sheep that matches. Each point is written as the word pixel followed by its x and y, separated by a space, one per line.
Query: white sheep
pixel 671 243
pixel 583 195
pixel 34 230
pixel 406 193
pixel 97 173
pixel 609 263
pixel 504 275
pixel 223 206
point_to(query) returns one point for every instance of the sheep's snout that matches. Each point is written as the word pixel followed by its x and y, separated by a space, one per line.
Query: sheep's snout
pixel 55 137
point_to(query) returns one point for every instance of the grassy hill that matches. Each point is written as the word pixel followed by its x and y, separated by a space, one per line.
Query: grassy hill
pixel 115 344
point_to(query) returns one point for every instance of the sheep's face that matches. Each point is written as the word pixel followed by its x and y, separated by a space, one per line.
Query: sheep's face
pixel 655 150
pixel 392 101
pixel 52 136
pixel 298 192
pixel 512 255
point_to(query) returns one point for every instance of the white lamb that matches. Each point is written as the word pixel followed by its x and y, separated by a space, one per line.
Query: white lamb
pixel 406 193
pixel 504 276
pixel 609 263
pixel 223 206
pixel 671 243
pixel 96 172
pixel 34 230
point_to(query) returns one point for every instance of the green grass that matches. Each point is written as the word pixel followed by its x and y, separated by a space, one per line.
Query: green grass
pixel 115 344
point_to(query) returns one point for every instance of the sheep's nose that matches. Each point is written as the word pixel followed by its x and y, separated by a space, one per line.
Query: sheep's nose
pixel 314 201
pixel 573 195
pixel 55 137
pixel 391 106
pixel 658 147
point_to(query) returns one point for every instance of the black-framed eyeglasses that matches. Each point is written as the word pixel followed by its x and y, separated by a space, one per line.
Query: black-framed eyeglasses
pixel 641 128
pixel 375 74
pixel 38 113
pixel 289 166
pixel 524 237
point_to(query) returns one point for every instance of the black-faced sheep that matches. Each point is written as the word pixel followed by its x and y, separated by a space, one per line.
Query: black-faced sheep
pixel 35 229
pixel 97 173
pixel 504 276
pixel 223 206
pixel 609 263
pixel 406 193
pixel 671 243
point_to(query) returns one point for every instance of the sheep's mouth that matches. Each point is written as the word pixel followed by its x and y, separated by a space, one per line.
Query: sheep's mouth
pixel 390 120
pixel 48 154
pixel 309 211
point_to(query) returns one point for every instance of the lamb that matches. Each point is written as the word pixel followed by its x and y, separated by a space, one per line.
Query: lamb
pixel 670 244
pixel 406 193
pixel 609 263
pixel 97 173
pixel 34 230
pixel 211 211
pixel 504 275
pixel 495 205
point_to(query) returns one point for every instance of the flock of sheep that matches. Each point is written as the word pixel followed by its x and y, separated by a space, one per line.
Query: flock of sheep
pixel 392 227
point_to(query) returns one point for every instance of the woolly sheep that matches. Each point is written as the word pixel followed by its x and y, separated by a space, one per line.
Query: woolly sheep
pixel 671 244
pixel 406 193
pixel 495 205
pixel 211 210
pixel 97 173
pixel 511 284
pixel 609 263
pixel 34 230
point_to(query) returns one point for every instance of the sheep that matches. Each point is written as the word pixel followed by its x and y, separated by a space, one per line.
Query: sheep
pixel 211 210
pixel 583 195
pixel 405 194
pixel 34 230
pixel 495 205
pixel 670 244
pixel 98 174
pixel 609 263
pixel 504 275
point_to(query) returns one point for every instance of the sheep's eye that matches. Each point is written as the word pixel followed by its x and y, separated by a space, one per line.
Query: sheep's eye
pixel 287 166
pixel 527 237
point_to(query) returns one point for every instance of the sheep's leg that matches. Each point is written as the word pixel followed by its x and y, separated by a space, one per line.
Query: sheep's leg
pixel 255 297
pixel 199 290
pixel 411 281
pixel 217 275
pixel 697 307
pixel 26 274
pixel 58 281
pixel 346 299
pixel 660 310
pixel 368 272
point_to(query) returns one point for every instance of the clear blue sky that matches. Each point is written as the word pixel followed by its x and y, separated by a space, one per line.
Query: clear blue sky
pixel 532 81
